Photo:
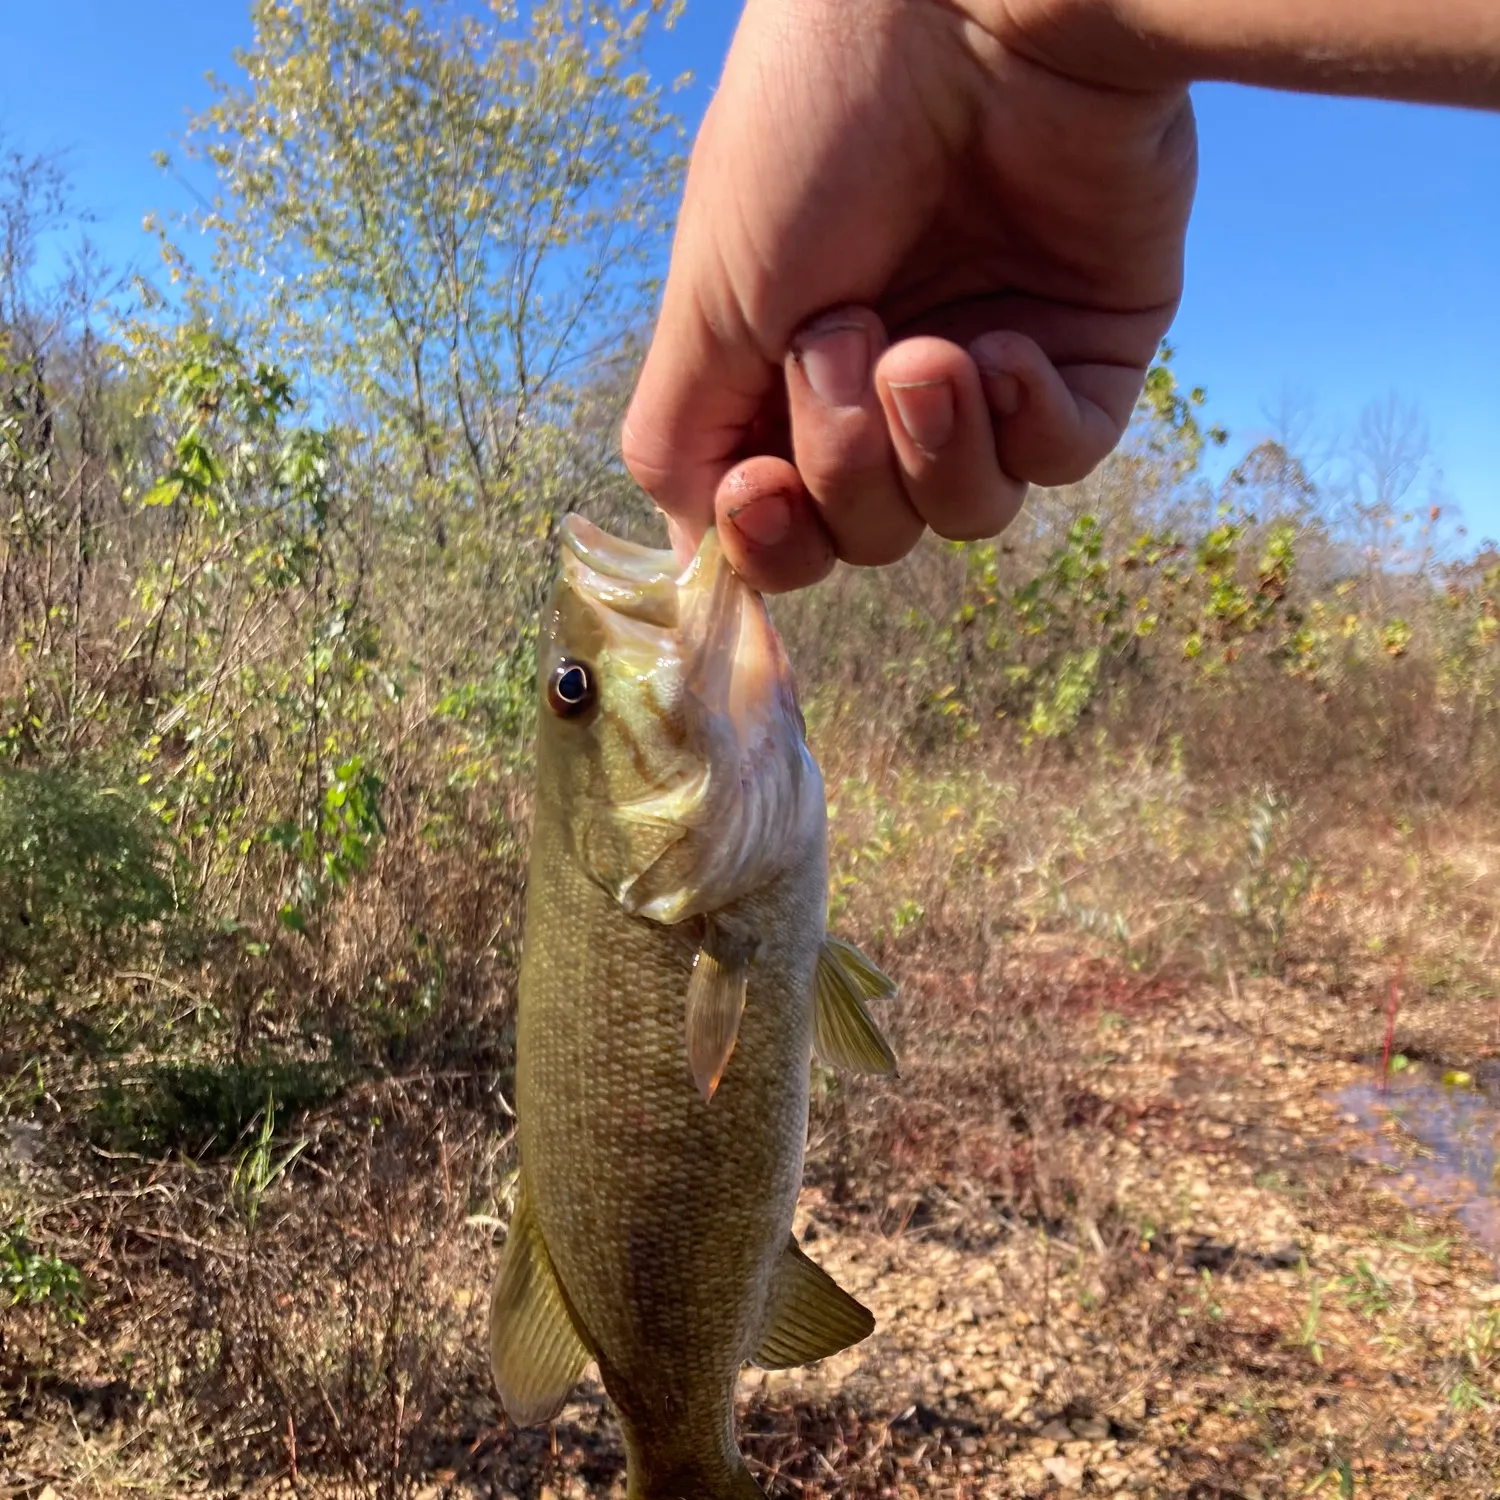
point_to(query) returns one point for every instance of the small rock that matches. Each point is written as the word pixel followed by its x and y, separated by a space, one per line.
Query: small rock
pixel 1066 1471
pixel 23 1140
pixel 1057 1430
pixel 1091 1429
pixel 1027 1472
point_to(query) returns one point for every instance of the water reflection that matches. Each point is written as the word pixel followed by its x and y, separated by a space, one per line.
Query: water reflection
pixel 1441 1141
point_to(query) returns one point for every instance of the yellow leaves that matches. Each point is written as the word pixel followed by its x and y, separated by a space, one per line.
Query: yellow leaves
pixel 1395 638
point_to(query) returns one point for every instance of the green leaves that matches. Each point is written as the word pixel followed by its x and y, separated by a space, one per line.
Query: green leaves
pixel 83 875
pixel 442 213
pixel 332 845
pixel 1172 426
pixel 31 1277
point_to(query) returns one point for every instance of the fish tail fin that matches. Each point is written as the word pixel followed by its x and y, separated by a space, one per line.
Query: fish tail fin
pixel 699 1465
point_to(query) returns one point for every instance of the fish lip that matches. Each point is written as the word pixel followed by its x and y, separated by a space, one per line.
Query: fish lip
pixel 643 584
pixel 615 558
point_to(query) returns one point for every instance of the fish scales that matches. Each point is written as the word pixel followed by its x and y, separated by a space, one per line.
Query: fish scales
pixel 664 1216
pixel 676 980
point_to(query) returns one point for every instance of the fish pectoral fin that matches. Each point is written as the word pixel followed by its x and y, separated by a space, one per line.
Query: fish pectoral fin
pixel 811 1315
pixel 845 1034
pixel 716 1000
pixel 536 1355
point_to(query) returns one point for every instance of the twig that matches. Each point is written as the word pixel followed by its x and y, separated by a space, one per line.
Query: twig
pixel 1390 1024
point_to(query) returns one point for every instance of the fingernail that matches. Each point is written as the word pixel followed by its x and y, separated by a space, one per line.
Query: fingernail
pixel 926 411
pixel 764 521
pixel 835 358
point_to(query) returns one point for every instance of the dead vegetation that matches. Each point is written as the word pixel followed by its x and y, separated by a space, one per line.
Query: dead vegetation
pixel 1117 1231
pixel 1172 811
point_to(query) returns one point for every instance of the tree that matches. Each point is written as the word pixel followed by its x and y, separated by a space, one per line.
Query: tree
pixel 448 222
pixel 69 445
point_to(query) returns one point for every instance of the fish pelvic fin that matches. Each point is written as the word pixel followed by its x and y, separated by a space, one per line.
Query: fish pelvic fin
pixel 536 1354
pixel 811 1316
pixel 716 1000
pixel 845 1034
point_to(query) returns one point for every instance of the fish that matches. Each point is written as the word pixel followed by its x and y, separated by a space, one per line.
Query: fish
pixel 677 979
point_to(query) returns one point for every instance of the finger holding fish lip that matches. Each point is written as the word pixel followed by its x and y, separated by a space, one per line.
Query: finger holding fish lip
pixel 770 526
pixel 886 442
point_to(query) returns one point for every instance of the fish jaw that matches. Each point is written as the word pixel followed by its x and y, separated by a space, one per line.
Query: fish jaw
pixel 698 783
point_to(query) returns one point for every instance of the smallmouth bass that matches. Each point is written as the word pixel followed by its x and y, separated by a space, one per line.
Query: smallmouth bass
pixel 676 980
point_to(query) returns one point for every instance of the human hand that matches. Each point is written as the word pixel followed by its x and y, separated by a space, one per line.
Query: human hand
pixel 925 256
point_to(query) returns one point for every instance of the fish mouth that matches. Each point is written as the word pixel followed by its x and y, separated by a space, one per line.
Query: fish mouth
pixel 704 619
pixel 703 692
pixel 652 608
pixel 621 578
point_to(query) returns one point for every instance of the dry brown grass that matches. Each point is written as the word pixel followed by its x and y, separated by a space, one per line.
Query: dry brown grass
pixel 1135 967
pixel 1106 1187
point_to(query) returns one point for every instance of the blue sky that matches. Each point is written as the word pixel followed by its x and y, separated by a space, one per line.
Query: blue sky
pixel 1340 250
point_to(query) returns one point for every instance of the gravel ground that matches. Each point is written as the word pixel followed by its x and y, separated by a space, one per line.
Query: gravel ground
pixel 1246 1290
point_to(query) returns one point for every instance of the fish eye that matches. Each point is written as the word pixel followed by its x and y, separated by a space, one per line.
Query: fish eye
pixel 572 690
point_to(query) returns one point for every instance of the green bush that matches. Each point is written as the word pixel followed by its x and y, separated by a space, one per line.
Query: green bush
pixel 205 1108
pixel 31 1277
pixel 82 878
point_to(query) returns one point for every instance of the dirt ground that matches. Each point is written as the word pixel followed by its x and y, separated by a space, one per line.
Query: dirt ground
pixel 1196 1273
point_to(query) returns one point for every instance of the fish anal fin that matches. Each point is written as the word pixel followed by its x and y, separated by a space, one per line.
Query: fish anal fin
pixel 845 1034
pixel 716 1000
pixel 811 1316
pixel 536 1354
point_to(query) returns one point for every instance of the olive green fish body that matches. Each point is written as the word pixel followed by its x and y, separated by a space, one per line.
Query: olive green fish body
pixel 665 1215
pixel 676 981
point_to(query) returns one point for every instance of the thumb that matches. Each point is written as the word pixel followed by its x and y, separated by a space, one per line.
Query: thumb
pixel 701 390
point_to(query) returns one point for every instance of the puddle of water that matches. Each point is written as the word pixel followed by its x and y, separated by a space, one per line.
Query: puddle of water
pixel 1443 1142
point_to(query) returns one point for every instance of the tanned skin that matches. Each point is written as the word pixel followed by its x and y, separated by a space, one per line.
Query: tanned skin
pixel 928 248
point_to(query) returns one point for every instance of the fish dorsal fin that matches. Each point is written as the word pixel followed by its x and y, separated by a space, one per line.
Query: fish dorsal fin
pixel 811 1316
pixel 536 1355
pixel 846 1035
pixel 716 999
